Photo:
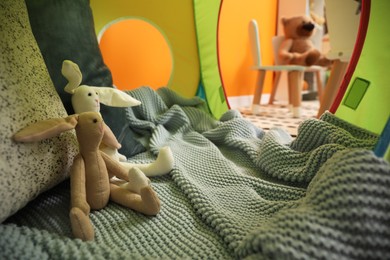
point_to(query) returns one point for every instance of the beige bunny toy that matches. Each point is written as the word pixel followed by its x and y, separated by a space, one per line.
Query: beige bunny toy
pixel 91 171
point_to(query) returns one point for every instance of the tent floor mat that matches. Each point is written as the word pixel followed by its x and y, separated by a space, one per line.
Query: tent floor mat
pixel 278 115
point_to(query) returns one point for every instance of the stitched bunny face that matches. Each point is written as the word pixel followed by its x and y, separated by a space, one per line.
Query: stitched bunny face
pixel 85 99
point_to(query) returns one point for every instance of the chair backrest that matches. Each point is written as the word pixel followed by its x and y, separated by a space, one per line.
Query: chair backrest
pixel 276 42
pixel 254 40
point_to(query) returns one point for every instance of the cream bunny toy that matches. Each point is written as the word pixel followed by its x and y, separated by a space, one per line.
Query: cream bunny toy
pixel 88 98
pixel 91 171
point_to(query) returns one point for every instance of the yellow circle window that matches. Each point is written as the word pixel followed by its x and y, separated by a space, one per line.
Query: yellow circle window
pixel 137 54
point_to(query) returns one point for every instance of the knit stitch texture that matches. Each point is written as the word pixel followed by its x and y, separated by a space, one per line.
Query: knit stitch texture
pixel 235 192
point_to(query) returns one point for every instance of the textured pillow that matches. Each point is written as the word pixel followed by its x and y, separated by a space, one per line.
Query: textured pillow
pixel 27 95
pixel 64 30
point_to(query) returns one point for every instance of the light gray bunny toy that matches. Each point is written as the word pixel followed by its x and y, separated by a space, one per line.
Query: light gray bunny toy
pixel 88 98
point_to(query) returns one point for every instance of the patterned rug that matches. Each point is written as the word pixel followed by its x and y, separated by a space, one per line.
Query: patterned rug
pixel 278 115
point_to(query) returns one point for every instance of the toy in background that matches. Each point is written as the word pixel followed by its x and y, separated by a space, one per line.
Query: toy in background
pixel 87 98
pixel 92 169
pixel 297 47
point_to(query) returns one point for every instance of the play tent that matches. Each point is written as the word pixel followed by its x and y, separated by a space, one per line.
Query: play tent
pixel 193 47
pixel 364 95
pixel 235 191
pixel 194 39
pixel 190 51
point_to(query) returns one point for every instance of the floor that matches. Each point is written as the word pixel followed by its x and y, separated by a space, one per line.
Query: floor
pixel 278 115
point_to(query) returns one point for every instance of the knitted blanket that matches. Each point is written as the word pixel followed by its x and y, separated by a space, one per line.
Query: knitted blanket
pixel 235 192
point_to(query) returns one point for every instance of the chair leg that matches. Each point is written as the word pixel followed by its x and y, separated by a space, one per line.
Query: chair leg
pixel 258 91
pixel 274 87
pixel 295 79
pixel 332 86
pixel 319 85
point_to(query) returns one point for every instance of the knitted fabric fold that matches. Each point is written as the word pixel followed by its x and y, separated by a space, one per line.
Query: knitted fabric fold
pixel 235 191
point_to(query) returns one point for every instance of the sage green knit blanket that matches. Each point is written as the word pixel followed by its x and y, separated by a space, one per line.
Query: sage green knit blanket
pixel 235 192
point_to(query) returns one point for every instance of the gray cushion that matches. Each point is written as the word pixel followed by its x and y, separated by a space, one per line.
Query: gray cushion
pixel 64 29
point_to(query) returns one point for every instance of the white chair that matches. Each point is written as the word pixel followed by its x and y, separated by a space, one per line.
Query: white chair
pixel 295 73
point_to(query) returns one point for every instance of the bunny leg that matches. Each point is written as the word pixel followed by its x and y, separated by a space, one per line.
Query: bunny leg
pixel 79 214
pixel 114 167
pixel 147 202
pixel 161 166
pixel 81 225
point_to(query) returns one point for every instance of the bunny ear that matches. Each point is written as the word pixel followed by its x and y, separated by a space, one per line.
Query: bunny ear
pixel 46 129
pixel 115 98
pixel 72 73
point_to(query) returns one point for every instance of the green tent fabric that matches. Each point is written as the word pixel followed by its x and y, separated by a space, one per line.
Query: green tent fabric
pixel 206 26
pixel 235 192
pixel 373 107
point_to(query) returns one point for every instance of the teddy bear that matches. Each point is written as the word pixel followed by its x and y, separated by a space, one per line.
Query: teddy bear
pixel 297 48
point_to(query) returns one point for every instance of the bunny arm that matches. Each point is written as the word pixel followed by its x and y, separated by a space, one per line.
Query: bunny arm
pixel 109 138
pixel 114 168
pixel 77 185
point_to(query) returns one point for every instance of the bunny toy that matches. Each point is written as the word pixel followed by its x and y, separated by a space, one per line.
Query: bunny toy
pixel 91 171
pixel 88 98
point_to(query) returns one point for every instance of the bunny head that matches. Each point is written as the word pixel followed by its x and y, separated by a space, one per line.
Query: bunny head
pixel 89 126
pixel 89 131
pixel 88 98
